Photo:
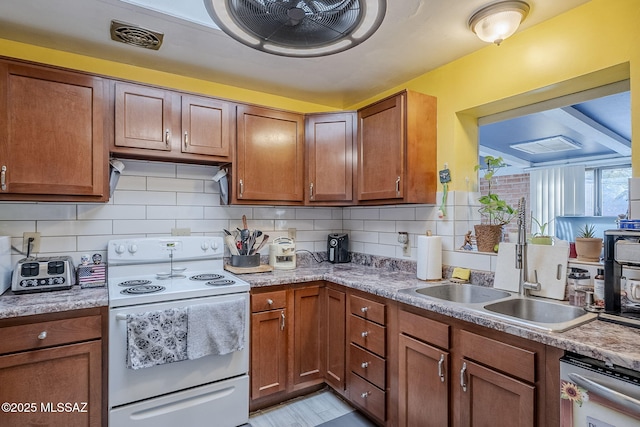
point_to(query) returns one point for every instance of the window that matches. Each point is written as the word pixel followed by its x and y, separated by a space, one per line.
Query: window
pixel 607 190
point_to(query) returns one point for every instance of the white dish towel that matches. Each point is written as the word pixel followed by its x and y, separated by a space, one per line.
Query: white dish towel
pixel 216 328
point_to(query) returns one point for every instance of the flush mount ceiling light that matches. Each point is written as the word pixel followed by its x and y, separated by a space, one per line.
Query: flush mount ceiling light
pixel 497 21
pixel 553 144
pixel 298 28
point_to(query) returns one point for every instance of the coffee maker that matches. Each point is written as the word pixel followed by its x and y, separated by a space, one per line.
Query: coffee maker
pixel 338 248
pixel 622 277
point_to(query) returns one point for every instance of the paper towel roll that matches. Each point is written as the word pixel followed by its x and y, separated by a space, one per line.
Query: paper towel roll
pixel 429 258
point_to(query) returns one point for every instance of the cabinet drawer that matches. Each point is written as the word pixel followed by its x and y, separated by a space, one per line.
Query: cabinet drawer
pixel 368 335
pixel 368 309
pixel 268 301
pixel 47 334
pixel 427 330
pixel 368 397
pixel 368 366
pixel 511 360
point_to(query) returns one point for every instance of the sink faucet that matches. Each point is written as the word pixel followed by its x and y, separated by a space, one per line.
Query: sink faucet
pixel 524 286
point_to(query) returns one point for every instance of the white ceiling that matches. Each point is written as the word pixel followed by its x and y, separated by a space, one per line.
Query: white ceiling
pixel 416 36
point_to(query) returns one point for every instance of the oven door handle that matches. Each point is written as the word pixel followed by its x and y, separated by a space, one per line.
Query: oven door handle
pixel 121 317
pixel 603 391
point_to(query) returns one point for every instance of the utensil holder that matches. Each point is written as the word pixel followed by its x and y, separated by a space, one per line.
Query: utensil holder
pixel 245 260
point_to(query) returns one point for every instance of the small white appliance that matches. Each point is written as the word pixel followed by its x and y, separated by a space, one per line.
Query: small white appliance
pixel 5 263
pixel 282 254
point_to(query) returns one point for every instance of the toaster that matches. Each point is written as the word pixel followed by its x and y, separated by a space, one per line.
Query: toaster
pixel 338 248
pixel 43 274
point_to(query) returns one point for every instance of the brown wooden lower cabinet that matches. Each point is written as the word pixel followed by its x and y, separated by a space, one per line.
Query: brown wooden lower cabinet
pixel 52 372
pixel 335 333
pixel 268 352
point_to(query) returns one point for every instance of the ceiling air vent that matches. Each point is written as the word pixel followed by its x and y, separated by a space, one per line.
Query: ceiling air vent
pixel 552 144
pixel 135 35
pixel 298 28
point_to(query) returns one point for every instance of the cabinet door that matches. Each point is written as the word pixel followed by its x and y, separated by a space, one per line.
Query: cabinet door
pixel 329 149
pixel 335 338
pixel 307 335
pixel 144 117
pixel 52 133
pixel 423 384
pixel 269 156
pixel 206 126
pixel 381 149
pixel 268 353
pixel 489 398
pixel 68 375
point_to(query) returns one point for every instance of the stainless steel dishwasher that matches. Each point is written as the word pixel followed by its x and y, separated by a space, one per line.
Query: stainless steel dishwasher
pixel 597 394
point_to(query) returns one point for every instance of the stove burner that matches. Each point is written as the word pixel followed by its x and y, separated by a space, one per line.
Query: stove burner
pixel 223 282
pixel 204 277
pixel 142 289
pixel 136 282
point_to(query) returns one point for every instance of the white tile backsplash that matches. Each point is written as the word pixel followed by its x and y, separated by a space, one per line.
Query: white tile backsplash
pixel 154 197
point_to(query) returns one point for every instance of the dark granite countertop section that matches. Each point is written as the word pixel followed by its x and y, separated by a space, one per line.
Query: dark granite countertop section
pixel 12 305
pixel 601 340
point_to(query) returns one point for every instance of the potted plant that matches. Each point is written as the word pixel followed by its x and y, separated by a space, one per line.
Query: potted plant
pixel 588 247
pixel 540 237
pixel 495 211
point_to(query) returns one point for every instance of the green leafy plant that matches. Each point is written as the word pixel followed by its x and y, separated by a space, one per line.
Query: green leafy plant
pixel 496 210
pixel 542 227
pixel 587 232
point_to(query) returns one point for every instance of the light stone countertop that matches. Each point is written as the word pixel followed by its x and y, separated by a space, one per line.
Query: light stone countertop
pixel 601 340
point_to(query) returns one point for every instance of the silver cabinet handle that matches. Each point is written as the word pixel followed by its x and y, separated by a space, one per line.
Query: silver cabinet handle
pixel 364 309
pixel 605 392
pixel 167 137
pixel 398 186
pixel 463 377
pixel 365 395
pixel 364 365
pixel 241 184
pixel 42 335
pixel 282 320
pixel 269 301
pixel 3 178
pixel 186 139
pixel 311 191
pixel 440 368
pixel 364 334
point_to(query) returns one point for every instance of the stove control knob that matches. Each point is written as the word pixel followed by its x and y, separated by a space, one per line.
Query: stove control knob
pixel 120 249
pixel 214 246
pixel 133 248
pixel 204 246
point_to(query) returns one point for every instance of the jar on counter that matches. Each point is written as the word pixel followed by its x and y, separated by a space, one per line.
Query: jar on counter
pixel 598 289
pixel 578 283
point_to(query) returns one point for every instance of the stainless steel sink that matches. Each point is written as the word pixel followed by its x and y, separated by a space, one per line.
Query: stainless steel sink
pixel 462 293
pixel 546 315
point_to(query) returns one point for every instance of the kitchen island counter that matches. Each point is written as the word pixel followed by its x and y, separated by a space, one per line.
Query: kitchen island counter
pixel 598 339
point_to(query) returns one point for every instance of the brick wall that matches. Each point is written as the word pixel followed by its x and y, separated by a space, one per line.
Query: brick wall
pixel 510 188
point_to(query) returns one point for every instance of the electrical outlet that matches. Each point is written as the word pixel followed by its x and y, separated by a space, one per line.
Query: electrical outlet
pixel 403 237
pixel 181 232
pixel 35 245
pixel 292 233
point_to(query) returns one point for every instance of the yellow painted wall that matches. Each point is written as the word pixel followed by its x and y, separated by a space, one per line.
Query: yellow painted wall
pixel 128 72
pixel 531 66
pixel 562 55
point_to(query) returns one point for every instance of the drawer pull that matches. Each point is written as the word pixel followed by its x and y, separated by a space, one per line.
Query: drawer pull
pixel 364 365
pixel 364 309
pixel 364 334
pixel 42 335
pixel 269 301
pixel 167 137
pixel 365 395
pixel 440 366
pixel 463 377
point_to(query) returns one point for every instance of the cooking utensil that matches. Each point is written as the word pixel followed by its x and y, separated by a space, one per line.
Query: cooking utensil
pixel 231 244
pixel 244 222
pixel 265 238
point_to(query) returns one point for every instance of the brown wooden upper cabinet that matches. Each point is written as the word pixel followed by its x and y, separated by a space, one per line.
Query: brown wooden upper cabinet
pixel 52 143
pixel 165 125
pixel 397 150
pixel 330 146
pixel 269 166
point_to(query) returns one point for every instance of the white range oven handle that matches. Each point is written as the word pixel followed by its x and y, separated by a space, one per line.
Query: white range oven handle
pixel 121 316
pixel 606 392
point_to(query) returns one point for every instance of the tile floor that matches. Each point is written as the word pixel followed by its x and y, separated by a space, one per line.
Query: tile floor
pixel 306 411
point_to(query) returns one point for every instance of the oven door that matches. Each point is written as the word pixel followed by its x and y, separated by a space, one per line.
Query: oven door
pixel 128 385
